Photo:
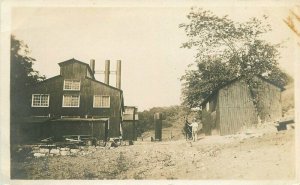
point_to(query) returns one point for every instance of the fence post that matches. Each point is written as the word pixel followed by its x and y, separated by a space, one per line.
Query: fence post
pixel 158 126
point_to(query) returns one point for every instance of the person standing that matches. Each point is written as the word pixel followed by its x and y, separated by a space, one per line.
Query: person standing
pixel 195 125
pixel 187 129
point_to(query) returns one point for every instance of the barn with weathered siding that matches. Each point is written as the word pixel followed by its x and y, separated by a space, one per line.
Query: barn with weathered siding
pixel 74 102
pixel 232 107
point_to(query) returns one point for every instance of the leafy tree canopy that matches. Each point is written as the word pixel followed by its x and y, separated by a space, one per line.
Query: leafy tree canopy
pixel 22 76
pixel 227 49
pixel 173 118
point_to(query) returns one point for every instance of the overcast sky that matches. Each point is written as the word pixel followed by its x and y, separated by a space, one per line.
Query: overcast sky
pixel 147 40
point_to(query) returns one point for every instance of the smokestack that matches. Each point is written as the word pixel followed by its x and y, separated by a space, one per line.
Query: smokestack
pixel 92 65
pixel 118 74
pixel 106 77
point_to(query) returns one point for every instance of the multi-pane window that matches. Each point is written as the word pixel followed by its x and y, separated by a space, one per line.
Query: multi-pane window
pixel 101 101
pixel 40 100
pixel 73 85
pixel 71 100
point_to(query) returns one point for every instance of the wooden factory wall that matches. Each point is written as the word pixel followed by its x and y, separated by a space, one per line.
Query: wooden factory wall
pixel 89 88
pixel 36 131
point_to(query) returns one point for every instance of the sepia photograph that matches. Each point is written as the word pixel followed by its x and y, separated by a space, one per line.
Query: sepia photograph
pixel 168 90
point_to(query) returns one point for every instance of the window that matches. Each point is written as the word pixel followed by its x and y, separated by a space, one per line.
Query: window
pixel 72 85
pixel 71 100
pixel 40 100
pixel 101 101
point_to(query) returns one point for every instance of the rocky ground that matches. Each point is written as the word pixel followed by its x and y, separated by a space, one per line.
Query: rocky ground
pixel 251 155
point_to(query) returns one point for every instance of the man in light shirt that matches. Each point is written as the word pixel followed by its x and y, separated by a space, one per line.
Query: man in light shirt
pixel 194 126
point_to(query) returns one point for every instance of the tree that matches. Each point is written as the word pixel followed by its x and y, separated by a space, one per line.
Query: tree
pixel 22 76
pixel 174 118
pixel 227 50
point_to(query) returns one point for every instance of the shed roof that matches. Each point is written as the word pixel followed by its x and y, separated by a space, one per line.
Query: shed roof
pixel 80 119
pixel 36 119
pixel 43 119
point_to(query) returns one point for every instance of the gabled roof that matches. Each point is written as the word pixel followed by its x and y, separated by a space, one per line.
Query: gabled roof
pixel 70 61
pixel 73 60
pixel 112 87
pixel 234 80
pixel 46 80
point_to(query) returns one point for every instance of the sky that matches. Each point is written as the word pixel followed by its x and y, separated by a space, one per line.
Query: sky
pixel 146 39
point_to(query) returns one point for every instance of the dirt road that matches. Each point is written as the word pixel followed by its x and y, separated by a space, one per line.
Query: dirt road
pixel 267 156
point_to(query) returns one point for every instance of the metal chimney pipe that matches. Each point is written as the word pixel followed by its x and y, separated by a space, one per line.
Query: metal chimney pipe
pixel 118 74
pixel 92 65
pixel 107 68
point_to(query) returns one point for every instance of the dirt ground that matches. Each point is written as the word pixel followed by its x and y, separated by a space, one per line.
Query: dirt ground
pixel 264 156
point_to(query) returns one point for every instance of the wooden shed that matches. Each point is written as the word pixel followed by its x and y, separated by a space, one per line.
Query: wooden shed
pixel 130 121
pixel 76 102
pixel 232 107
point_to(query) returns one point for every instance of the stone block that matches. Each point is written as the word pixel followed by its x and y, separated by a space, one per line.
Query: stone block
pixel 39 155
pixel 74 151
pixel 35 148
pixel 54 151
pixel 35 151
pixel 44 150
pixel 65 149
pixel 64 153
